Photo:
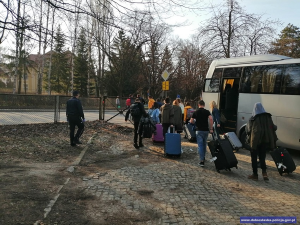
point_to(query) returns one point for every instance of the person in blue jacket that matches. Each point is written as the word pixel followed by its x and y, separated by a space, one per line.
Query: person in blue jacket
pixel 216 116
pixel 154 113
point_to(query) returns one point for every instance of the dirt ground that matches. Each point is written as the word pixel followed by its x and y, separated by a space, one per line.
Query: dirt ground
pixel 45 181
pixel 33 174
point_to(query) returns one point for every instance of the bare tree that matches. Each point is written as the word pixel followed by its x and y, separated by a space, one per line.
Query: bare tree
pixel 192 65
pixel 4 22
pixel 233 32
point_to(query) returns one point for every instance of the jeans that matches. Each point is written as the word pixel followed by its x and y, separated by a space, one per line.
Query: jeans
pixel 202 141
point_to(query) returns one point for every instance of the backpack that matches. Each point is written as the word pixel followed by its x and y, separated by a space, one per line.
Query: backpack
pixel 135 110
pixel 190 113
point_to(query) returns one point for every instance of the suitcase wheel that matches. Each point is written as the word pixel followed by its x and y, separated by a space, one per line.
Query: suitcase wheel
pixel 236 167
pixel 218 171
pixel 280 173
pixel 229 169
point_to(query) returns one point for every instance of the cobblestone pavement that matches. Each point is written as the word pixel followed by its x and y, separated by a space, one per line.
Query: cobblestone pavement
pixel 178 191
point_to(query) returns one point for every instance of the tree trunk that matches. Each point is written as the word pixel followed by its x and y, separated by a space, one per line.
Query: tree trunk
pixel 229 30
pixel 17 48
pixel 40 75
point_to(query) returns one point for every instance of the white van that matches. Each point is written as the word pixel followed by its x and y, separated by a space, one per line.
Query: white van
pixel 235 84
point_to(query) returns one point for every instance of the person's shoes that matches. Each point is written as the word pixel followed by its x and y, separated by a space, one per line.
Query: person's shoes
pixel 76 141
pixel 73 144
pixel 201 163
pixel 265 176
pixel 253 177
pixel 136 145
pixel 141 145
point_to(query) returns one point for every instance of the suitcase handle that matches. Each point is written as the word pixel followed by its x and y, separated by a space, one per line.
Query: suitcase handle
pixel 171 129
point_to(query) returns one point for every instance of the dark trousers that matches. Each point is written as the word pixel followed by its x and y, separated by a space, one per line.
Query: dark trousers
pixel 260 151
pixel 75 121
pixel 138 129
pixel 165 128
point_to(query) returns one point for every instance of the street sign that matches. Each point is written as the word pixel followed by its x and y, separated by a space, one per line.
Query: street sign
pixel 165 75
pixel 165 85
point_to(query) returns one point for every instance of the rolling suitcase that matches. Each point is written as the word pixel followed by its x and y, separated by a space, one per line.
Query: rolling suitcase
pixel 147 130
pixel 158 136
pixel 189 132
pixel 222 154
pixel 234 140
pixel 172 144
pixel 283 160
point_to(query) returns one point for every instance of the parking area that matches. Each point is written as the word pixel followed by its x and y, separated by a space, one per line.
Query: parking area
pixel 109 182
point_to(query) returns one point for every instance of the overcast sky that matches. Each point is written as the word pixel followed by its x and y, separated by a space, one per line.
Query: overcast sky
pixel 287 11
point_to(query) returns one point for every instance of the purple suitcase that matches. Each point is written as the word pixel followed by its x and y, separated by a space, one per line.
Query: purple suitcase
pixel 158 137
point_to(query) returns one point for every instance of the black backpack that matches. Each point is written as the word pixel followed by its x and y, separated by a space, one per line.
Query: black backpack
pixel 135 110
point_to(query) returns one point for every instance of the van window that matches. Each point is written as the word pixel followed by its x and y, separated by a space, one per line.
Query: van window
pixel 232 72
pixel 291 80
pixel 212 85
pixel 262 79
pixel 217 73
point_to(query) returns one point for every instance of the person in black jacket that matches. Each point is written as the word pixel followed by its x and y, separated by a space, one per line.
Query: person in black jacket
pixel 136 110
pixel 75 117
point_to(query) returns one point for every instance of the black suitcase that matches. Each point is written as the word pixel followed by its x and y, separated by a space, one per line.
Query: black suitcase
pixel 189 132
pixel 222 154
pixel 283 160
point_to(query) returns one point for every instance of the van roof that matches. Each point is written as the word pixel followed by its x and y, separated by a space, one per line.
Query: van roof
pixel 249 60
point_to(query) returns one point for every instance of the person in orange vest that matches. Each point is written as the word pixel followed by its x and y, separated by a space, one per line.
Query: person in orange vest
pixel 150 102
pixel 185 116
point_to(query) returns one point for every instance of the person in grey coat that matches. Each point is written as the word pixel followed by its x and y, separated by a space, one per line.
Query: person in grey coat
pixel 167 116
pixel 262 137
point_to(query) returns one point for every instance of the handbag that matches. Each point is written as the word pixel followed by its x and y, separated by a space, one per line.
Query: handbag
pixel 223 118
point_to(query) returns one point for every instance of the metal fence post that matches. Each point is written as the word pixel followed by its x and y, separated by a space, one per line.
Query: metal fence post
pixel 56 109
pixel 100 108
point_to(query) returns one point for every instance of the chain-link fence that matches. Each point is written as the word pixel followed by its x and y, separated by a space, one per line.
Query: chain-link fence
pixel 27 109
pixel 110 103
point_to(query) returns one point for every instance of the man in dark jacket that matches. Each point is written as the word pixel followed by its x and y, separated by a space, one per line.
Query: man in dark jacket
pixel 136 110
pixel 141 99
pixel 261 132
pixel 75 117
pixel 167 116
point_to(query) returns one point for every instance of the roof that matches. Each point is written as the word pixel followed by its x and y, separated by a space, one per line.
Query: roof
pixel 249 59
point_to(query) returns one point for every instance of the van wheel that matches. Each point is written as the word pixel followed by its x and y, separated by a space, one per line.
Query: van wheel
pixel 243 140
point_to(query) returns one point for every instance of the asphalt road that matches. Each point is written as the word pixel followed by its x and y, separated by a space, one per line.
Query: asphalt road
pixel 30 117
